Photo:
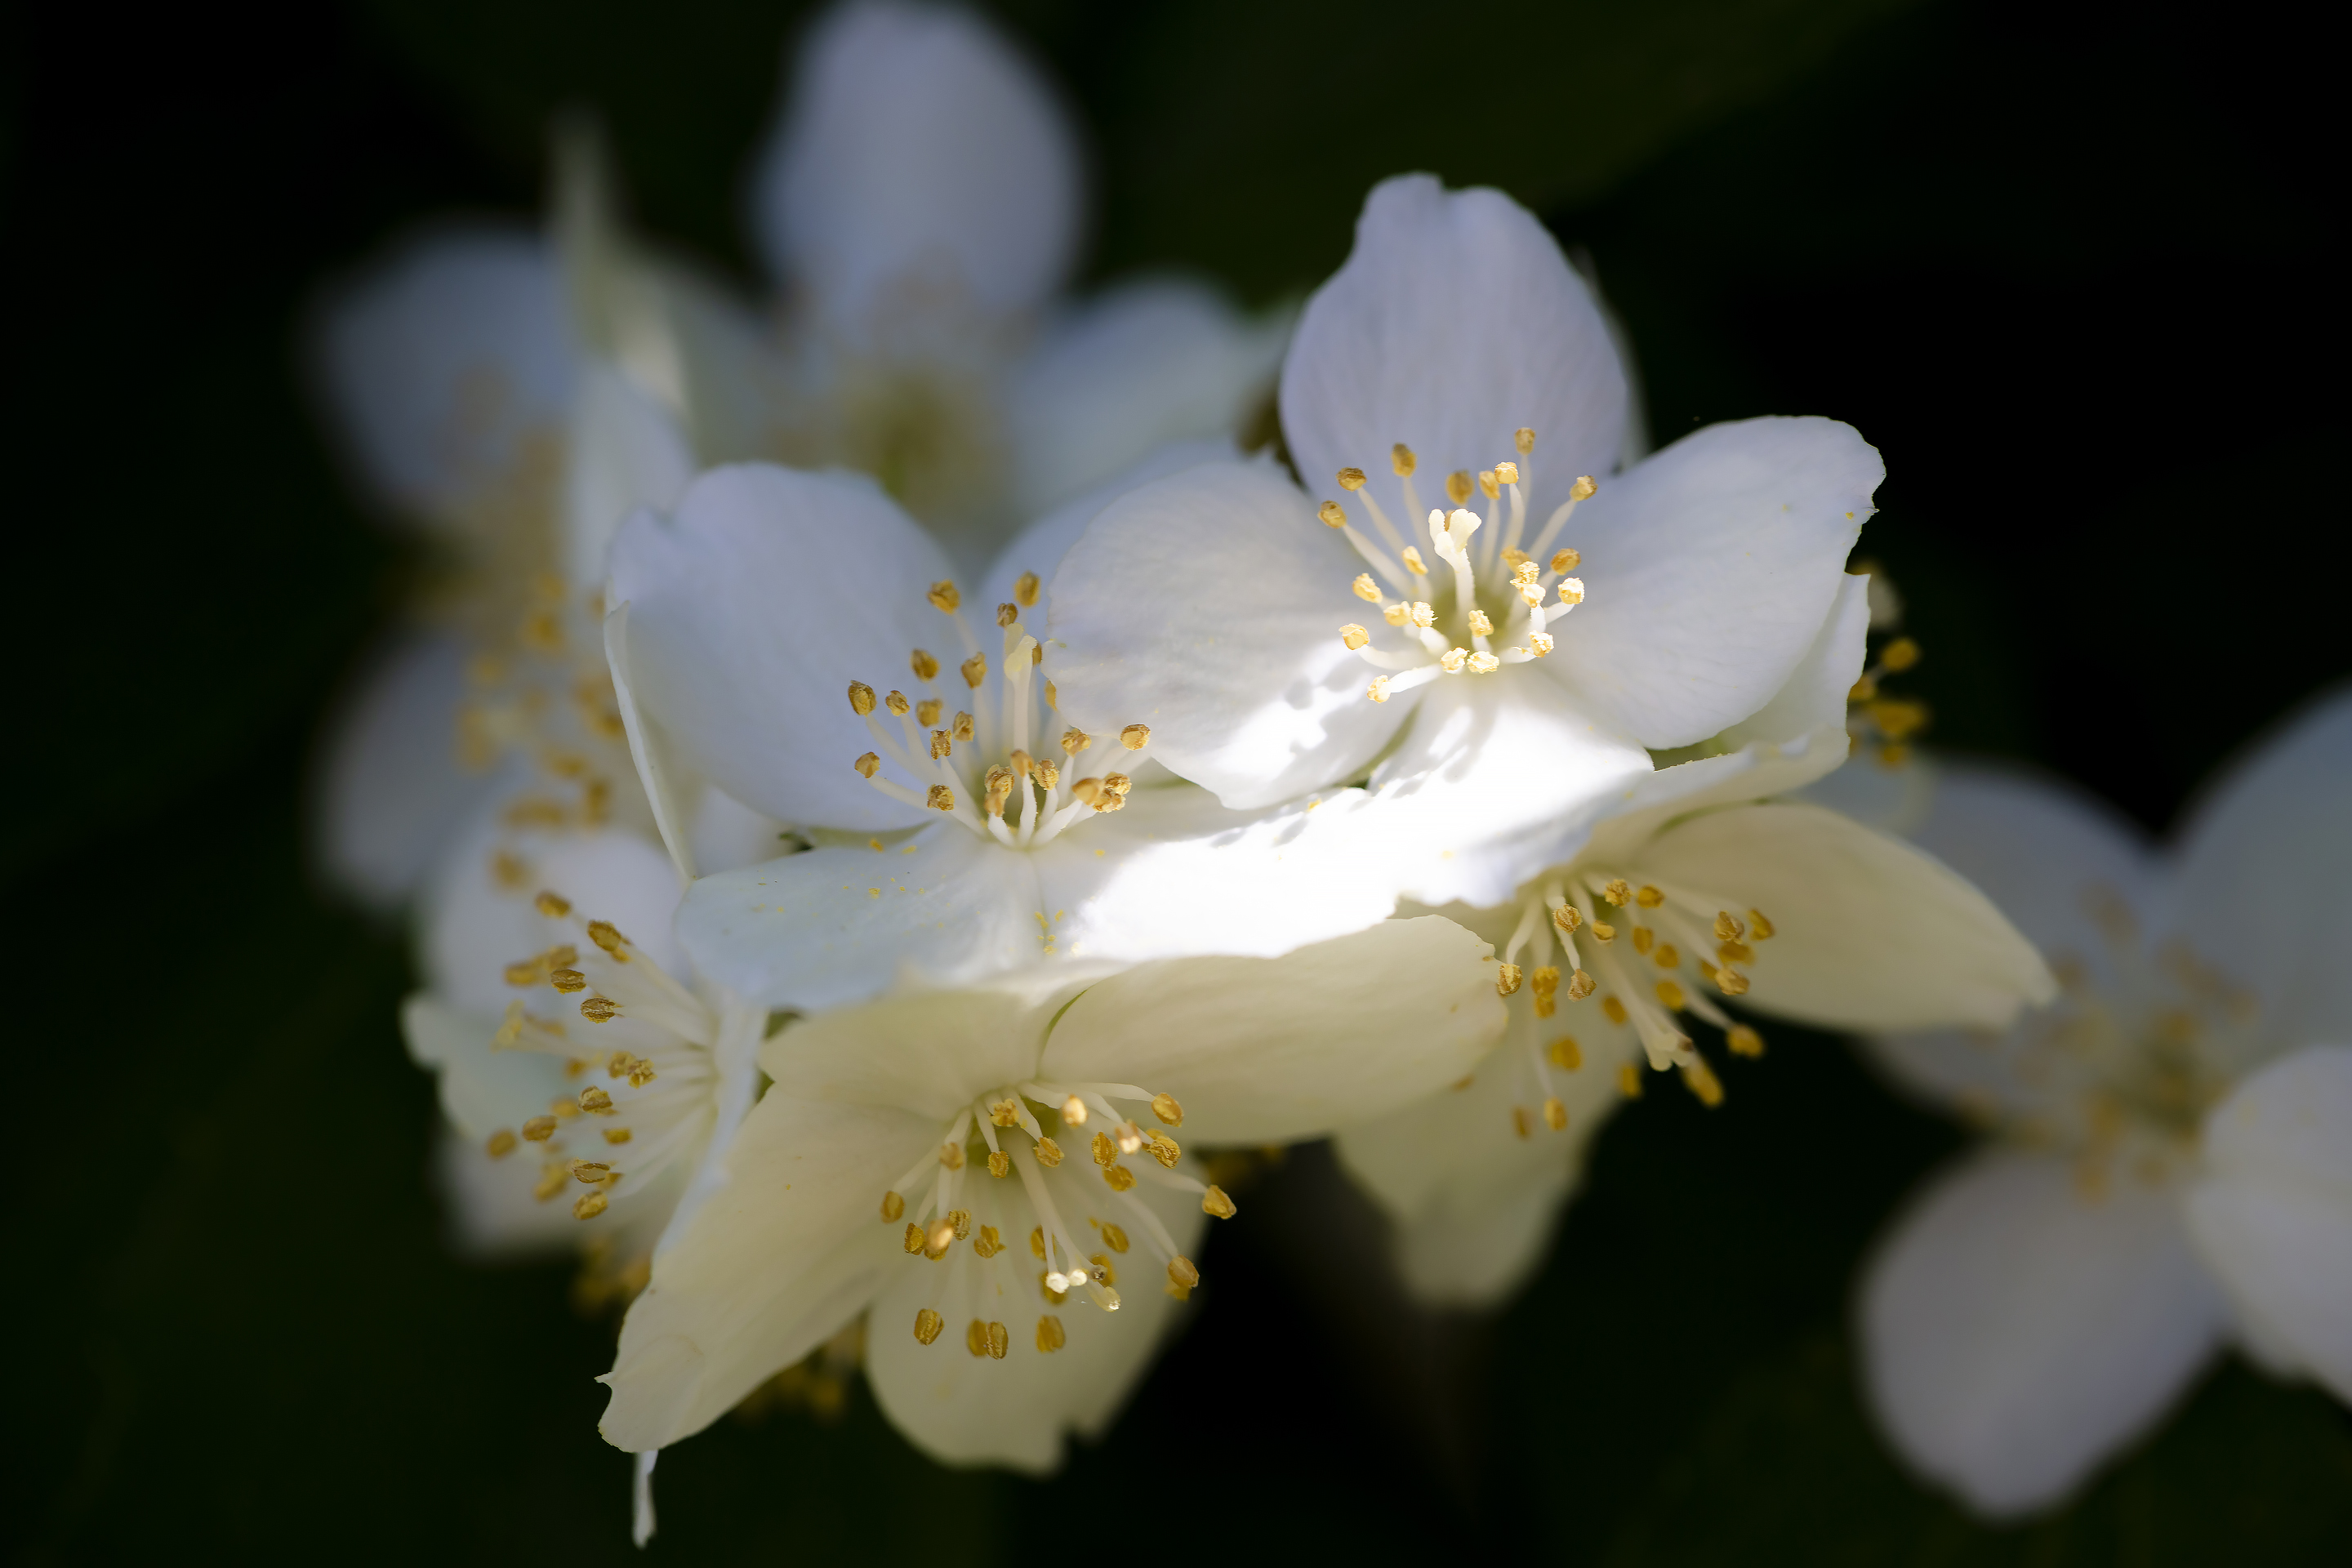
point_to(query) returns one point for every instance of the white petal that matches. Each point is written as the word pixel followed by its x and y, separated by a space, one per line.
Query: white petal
pixel 729 835
pixel 793 1247
pixel 2263 868
pixel 1261 1050
pixel 2272 1214
pixel 2016 1334
pixel 1813 697
pixel 837 925
pixel 1894 799
pixel 752 609
pixel 393 791
pixel 1870 933
pixel 917 147
pixel 1708 569
pixel 447 364
pixel 625 451
pixel 1209 606
pixel 492 1212
pixel 670 783
pixel 963 1409
pixel 929 1052
pixel 1455 322
pixel 1039 547
pixel 482 1089
pixel 1128 371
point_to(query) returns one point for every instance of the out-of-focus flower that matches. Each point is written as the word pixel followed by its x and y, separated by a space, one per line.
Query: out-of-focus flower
pixel 2175 1164
pixel 992 1174
pixel 1497 709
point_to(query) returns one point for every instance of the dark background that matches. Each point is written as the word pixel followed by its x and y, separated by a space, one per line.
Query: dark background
pixel 2071 268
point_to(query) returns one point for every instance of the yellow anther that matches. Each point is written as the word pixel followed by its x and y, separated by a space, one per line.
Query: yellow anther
pixel 1644 939
pixel 600 1010
pixel 1087 791
pixel 1483 664
pixel 1758 927
pixel 1215 1202
pixel 1565 1053
pixel 1507 473
pixel 1899 717
pixel 1617 892
pixel 1613 1008
pixel 1423 615
pixel 1402 459
pixel 1521 1123
pixel 975 1337
pixel 502 1143
pixel 1734 952
pixel 595 1102
pixel 1731 982
pixel 1378 689
pixel 1566 560
pixel 1004 1112
pixel 1074 740
pixel 530 971
pixel 1668 956
pixel 1048 1153
pixel 927 1325
pixel 563 1110
pixel 1525 439
pixel 1135 737
pixel 1129 1137
pixel 1900 654
pixel 1671 996
pixel 938 1238
pixel 1457 486
pixel 1555 1114
pixel 928 711
pixel 554 905
pixel 867 765
pixel 1119 1178
pixel 944 597
pixel 987 1243
pixel 1571 590
pixel 1700 1080
pixel 1629 1081
pixel 1453 660
pixel 1396 614
pixel 897 703
pixel 1481 624
pixel 1182 1277
pixel 1583 488
pixel 568 981
pixel 1350 478
pixel 552 1181
pixel 1331 514
pixel 588 1173
pixel 1580 986
pixel 1506 980
pixel 941 799
pixel 893 1206
pixel 1727 927
pixel 1353 636
pixel 941 745
pixel 1050 1337
pixel 961 727
pixel 1105 1151
pixel 1006 614
pixel 1024 588
pixel 1413 563
pixel 925 665
pixel 952 1156
pixel 1649 898
pixel 539 1129
pixel 1545 983
pixel 1074 1112
pixel 1051 700
pixel 975 669
pixel 1162 1148
pixel 1000 1164
pixel 1861 690
pixel 1567 917
pixel 1490 483
pixel 1744 1041
pixel 1165 1106
pixel 1366 589
pixel 590 1206
pixel 962 1220
pixel 1046 775
pixel 1603 932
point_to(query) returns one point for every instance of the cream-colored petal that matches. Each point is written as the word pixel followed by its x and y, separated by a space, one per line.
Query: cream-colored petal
pixel 482 1089
pixel 930 1052
pixel 2017 1334
pixel 1270 1050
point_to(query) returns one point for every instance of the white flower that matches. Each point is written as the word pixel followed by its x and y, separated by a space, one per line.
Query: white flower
pixel 2170 1173
pixel 991 1174
pixel 797 642
pixel 1494 696
pixel 1700 894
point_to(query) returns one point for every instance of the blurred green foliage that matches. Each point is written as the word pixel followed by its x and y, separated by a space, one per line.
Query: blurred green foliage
pixel 2068 268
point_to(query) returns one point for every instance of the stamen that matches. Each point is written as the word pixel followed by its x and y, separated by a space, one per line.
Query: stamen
pixel 975 670
pixel 944 597
pixel 1050 1337
pixel 1215 1202
pixel 927 1325
pixel 1024 588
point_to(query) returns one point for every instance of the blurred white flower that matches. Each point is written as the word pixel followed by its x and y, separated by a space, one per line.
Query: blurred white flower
pixel 2175 1158
pixel 992 1175
pixel 1498 702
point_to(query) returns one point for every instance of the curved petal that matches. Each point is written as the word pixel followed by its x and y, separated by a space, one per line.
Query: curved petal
pixel 393 791
pixel 1455 322
pixel 1813 697
pixel 1265 1050
pixel 930 1052
pixel 832 926
pixel 1038 549
pixel 1141 365
pixel 481 1090
pixel 967 1409
pixel 1209 606
pixel 917 146
pixel 2272 1214
pixel 751 610
pixel 491 1211
pixel 778 1259
pixel 2263 868
pixel 1892 798
pixel 2016 1334
pixel 625 451
pixel 446 363
pixel 1709 569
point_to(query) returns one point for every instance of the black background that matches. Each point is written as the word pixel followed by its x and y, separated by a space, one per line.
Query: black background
pixel 2073 270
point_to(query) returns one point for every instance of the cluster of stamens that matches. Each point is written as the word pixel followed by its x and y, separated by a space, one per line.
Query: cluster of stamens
pixel 1663 934
pixel 549 701
pixel 1463 640
pixel 939 1216
pixel 656 1104
pixel 938 752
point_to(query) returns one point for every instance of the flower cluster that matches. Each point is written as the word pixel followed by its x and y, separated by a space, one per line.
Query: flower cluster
pixel 941 790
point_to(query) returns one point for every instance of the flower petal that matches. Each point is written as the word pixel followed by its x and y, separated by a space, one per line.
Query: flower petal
pixel 2016 1334
pixel 751 610
pixel 1039 548
pixel 832 926
pixel 1709 569
pixel 625 451
pixel 1272 1049
pixel 1870 933
pixel 780 1256
pixel 448 364
pixel 967 1409
pixel 916 140
pixel 1455 322
pixel 2272 1214
pixel 482 1089
pixel 1141 365
pixel 930 1052
pixel 1243 678
pixel 2263 867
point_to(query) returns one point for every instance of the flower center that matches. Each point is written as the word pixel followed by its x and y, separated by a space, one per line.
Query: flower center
pixel 973 765
pixel 657 1103
pixel 1451 631
pixel 1643 986
pixel 1049 1192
